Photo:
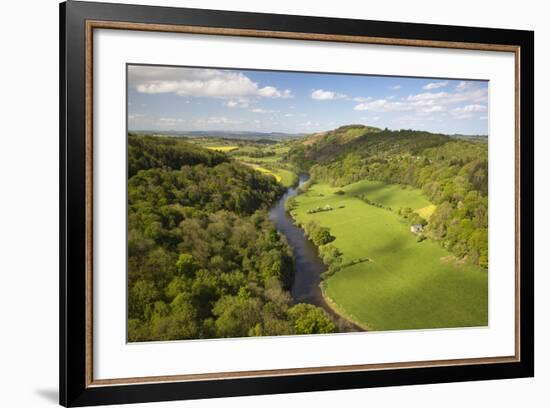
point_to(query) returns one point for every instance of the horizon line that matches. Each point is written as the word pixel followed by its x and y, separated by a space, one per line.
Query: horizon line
pixel 242 131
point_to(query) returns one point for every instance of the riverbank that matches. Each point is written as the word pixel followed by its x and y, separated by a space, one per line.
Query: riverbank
pixel 308 266
pixel 342 313
pixel 405 285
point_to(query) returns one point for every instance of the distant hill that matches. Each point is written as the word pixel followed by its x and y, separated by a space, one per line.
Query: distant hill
pixel 471 138
pixel 241 135
pixel 368 140
pixel 341 135
pixel 451 171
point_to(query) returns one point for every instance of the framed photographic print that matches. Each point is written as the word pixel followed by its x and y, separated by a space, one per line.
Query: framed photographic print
pixel 256 203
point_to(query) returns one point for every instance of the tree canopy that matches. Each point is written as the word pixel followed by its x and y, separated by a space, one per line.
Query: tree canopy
pixel 204 260
pixel 452 173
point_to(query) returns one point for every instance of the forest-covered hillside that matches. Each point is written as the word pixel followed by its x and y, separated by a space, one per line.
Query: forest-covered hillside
pixel 453 173
pixel 204 260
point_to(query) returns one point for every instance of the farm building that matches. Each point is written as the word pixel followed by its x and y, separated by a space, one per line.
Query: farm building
pixel 417 228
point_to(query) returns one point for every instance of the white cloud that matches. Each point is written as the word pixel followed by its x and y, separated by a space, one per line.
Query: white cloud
pixel 136 116
pixel 260 110
pixel 383 105
pixel 466 112
pixel 322 95
pixel 272 92
pixel 309 124
pixel 167 121
pixel 362 99
pixel 426 103
pixel 215 84
pixel 470 108
pixel 239 103
pixel 224 120
pixel 425 96
pixel 288 115
pixel 435 85
pixel 199 82
pixel 171 120
pixel 462 85
pixel 218 120
pixel 396 87
pixel 432 109
pixel 472 96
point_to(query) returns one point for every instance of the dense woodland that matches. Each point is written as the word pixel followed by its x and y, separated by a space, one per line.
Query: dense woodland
pixel 453 174
pixel 204 260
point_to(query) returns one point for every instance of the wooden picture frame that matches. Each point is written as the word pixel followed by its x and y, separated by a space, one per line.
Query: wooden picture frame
pixel 77 22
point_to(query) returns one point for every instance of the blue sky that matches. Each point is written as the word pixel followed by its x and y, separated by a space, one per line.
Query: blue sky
pixel 185 99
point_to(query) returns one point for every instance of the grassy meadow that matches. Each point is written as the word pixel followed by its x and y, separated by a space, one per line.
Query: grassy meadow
pixel 406 284
pixel 286 177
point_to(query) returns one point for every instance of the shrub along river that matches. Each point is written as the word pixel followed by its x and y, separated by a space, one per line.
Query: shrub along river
pixel 308 267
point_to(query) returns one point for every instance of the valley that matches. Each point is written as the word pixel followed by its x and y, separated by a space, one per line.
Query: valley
pixel 357 228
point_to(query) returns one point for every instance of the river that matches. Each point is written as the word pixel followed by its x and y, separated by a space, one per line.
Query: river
pixel 308 267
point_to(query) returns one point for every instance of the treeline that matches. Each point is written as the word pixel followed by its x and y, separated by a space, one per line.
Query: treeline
pixel 317 234
pixel 147 152
pixel 452 173
pixel 366 199
pixel 331 256
pixel 204 260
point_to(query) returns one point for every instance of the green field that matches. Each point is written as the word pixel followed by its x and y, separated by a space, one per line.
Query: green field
pixel 286 177
pixel 389 195
pixel 407 284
